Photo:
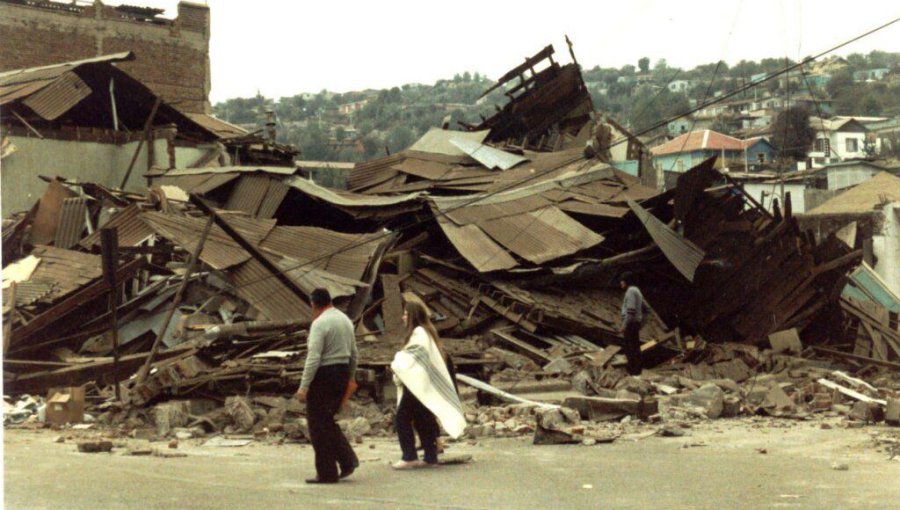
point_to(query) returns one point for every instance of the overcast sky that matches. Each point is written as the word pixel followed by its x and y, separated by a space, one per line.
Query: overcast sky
pixel 284 47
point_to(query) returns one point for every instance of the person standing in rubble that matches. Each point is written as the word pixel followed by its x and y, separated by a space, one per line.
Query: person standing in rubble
pixel 426 389
pixel 634 310
pixel 330 366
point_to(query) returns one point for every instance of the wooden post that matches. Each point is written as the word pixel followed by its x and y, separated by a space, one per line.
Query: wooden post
pixel 7 328
pixel 195 256
pixel 147 125
pixel 109 245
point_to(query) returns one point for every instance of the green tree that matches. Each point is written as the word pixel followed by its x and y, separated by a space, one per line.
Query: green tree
pixel 792 134
pixel 644 64
pixel 400 138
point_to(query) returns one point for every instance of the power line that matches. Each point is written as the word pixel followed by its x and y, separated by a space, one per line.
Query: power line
pixel 537 175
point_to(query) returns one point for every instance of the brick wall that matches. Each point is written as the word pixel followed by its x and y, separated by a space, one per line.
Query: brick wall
pixel 172 55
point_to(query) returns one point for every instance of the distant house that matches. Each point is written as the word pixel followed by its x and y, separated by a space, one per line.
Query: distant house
pixel 680 85
pixel 837 139
pixel 689 149
pixel 871 74
pixel 885 133
pixel 353 107
pixel 758 77
pixel 680 125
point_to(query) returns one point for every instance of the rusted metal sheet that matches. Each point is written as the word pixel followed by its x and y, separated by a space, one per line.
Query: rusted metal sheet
pixel 479 249
pixel 309 278
pixel 71 222
pixel 477 213
pixel 68 269
pixel 604 210
pixel 219 251
pixel 221 128
pixel 248 193
pixel 350 253
pixel 58 97
pixel 255 285
pixel 28 292
pixel 431 170
pixel 683 254
pixel 535 239
pixel 196 183
pixel 273 199
pixel 131 229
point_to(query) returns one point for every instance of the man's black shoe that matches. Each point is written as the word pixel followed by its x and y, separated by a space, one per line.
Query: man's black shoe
pixel 316 480
pixel 347 472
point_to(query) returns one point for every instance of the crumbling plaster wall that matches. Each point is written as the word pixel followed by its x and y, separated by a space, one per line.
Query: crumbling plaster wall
pixel 101 163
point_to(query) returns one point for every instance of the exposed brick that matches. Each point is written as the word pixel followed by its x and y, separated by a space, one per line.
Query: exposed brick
pixel 172 56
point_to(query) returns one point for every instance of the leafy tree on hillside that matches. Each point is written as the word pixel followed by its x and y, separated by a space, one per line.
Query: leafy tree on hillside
pixel 644 64
pixel 792 134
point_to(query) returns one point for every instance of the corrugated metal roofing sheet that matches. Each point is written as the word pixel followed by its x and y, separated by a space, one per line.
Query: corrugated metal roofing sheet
pixel 256 285
pixel 71 222
pixel 344 199
pixel 437 141
pixel 20 83
pixel 221 128
pixel 488 156
pixel 28 292
pixel 540 240
pixel 248 193
pixel 478 213
pixel 352 251
pixel 58 97
pixel 475 246
pixel 131 229
pixel 68 269
pixel 683 254
pixel 311 278
pixel 273 199
pixel 218 251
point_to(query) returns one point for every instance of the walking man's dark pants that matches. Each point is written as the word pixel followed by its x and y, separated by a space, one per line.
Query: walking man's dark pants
pixel 324 401
pixel 412 415
pixel 632 347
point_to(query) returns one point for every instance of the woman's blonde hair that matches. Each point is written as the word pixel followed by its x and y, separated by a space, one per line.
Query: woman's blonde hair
pixel 418 314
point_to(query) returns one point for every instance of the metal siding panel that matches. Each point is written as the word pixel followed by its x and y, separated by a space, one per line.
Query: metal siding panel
pixel 309 243
pixel 67 269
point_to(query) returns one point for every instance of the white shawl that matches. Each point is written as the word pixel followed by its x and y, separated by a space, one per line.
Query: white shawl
pixel 421 369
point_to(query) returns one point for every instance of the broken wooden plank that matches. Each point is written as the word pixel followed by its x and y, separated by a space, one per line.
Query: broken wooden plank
pixel 487 388
pixel 392 308
pixel 849 392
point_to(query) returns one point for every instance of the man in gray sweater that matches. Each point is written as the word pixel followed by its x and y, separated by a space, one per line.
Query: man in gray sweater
pixel 330 366
pixel 634 310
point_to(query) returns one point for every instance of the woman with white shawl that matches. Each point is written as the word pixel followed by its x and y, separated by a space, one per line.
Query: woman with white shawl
pixel 426 392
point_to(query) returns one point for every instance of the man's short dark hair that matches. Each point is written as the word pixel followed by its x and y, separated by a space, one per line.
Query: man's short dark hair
pixel 320 298
pixel 627 277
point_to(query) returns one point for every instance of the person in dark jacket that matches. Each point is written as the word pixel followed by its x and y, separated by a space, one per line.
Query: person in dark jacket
pixel 634 311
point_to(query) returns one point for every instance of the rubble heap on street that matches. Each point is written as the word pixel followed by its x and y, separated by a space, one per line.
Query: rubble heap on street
pixel 182 309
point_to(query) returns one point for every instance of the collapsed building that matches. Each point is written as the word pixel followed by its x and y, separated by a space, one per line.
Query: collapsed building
pixel 514 232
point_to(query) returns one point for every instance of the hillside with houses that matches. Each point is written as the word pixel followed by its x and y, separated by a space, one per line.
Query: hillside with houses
pixel 853 104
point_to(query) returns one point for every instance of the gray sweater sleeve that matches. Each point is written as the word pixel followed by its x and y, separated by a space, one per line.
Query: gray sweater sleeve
pixel 631 306
pixel 314 346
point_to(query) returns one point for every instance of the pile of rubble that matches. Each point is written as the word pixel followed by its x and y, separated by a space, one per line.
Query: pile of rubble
pixel 183 310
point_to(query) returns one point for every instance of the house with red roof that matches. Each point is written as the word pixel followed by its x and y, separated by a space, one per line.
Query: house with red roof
pixel 690 149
